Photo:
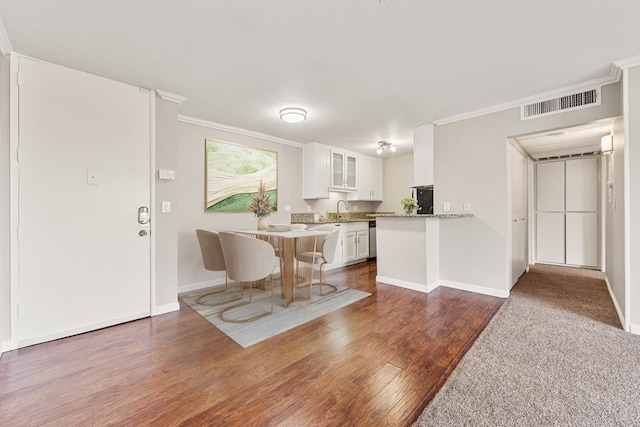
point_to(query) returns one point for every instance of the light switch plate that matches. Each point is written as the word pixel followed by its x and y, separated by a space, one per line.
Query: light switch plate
pixel 166 206
pixel 167 174
pixel 447 206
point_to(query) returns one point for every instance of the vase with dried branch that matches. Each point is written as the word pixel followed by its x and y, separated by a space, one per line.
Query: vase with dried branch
pixel 261 206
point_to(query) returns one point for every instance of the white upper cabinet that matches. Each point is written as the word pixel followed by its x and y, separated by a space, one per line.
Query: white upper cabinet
pixel 369 179
pixel 423 143
pixel 316 171
pixel 344 168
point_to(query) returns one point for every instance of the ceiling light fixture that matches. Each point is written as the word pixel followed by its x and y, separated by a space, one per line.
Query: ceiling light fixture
pixel 385 145
pixel 293 115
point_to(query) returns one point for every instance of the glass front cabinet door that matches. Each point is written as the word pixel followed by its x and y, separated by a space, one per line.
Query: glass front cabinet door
pixel 344 168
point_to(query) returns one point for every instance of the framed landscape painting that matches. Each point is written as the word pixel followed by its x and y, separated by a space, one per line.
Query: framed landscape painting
pixel 234 173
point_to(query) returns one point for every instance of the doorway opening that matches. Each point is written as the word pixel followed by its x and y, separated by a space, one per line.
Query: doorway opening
pixel 566 194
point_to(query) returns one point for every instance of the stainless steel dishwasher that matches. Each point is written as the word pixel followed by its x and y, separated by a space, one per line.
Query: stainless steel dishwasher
pixel 372 239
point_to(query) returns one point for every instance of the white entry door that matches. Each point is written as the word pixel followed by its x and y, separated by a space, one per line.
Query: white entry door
pixel 84 171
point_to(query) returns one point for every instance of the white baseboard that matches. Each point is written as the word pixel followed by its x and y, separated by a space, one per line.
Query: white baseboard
pixel 404 284
pixel 634 329
pixel 165 308
pixel 5 346
pixel 475 288
pixel 615 302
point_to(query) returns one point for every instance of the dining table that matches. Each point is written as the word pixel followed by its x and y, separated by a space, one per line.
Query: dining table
pixel 286 243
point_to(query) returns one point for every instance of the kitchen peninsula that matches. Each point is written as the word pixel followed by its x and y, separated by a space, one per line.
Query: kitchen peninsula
pixel 408 249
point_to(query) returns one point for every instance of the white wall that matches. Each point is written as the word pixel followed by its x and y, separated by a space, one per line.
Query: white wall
pixel 470 166
pixel 398 177
pixel 5 249
pixel 614 217
pixel 632 157
pixel 165 225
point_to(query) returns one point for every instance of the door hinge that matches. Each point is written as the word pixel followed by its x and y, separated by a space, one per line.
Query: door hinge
pixel 18 154
pixel 19 78
pixel 17 311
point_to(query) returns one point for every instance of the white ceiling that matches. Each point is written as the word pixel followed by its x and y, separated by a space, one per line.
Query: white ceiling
pixel 365 70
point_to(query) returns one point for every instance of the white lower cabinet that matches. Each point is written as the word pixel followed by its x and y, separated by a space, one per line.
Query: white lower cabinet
pixel 354 241
pixel 348 246
pixel 353 244
pixel 362 244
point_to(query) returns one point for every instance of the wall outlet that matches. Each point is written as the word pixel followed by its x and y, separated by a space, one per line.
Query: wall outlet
pixel 309 208
pixel 355 209
pixel 467 207
pixel 446 206
pixel 166 206
pixel 287 208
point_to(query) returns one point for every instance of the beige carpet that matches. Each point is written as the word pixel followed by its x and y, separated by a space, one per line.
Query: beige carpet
pixel 282 319
pixel 554 355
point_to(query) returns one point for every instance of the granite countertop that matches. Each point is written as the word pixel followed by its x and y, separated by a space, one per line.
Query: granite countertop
pixel 451 215
pixel 332 218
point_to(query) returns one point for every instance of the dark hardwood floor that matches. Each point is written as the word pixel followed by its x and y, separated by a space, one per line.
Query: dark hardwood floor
pixel 375 362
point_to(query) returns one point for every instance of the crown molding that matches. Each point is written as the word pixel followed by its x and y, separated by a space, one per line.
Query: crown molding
pixel 5 42
pixel 239 131
pixel 628 62
pixel 167 96
pixel 615 73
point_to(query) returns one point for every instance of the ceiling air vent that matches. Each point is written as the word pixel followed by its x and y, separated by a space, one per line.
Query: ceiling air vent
pixel 573 101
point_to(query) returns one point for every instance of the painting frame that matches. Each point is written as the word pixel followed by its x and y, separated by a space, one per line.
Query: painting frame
pixel 233 173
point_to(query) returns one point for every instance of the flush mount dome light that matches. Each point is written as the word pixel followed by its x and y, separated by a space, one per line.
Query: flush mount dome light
pixel 293 115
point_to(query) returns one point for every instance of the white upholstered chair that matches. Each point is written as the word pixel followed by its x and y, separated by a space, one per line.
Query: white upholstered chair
pixel 323 253
pixel 248 260
pixel 213 260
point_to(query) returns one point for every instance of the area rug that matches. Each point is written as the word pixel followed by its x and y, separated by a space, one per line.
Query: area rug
pixel 282 319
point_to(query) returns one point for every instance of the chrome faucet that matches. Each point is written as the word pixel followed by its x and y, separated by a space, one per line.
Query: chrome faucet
pixel 346 206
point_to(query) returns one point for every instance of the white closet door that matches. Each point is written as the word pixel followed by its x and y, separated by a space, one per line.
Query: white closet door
pixel 582 238
pixel 550 187
pixel 550 237
pixel 84 170
pixel 582 185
